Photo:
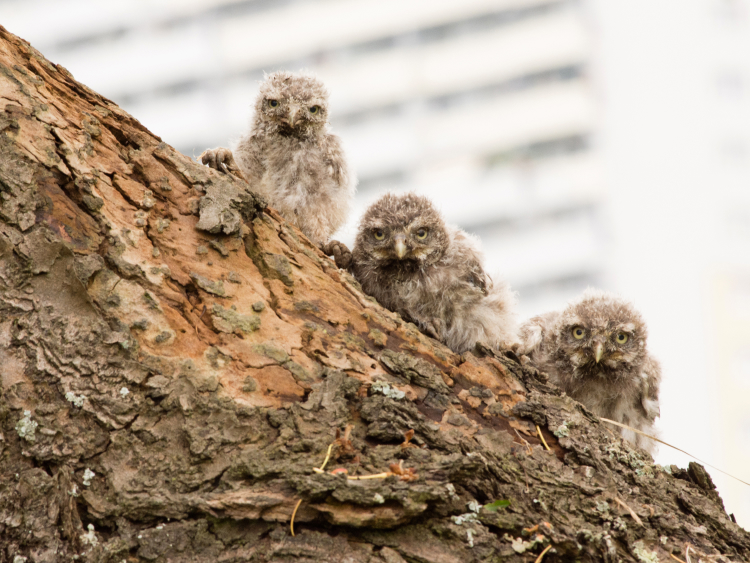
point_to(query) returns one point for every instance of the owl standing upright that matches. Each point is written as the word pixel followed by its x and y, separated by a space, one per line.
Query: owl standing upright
pixel 291 158
pixel 595 350
pixel 431 273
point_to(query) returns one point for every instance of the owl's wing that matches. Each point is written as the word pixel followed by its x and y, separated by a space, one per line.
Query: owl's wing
pixel 650 380
pixel 467 259
pixel 535 331
pixel 249 156
pixel 478 277
pixel 336 160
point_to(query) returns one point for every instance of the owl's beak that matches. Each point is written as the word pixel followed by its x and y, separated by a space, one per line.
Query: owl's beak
pixel 399 244
pixel 292 119
pixel 598 351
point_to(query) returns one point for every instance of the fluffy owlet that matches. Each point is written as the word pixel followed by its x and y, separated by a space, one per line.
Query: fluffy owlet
pixel 431 273
pixel 595 350
pixel 291 158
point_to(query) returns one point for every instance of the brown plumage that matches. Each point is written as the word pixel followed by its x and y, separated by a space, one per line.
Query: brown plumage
pixel 431 273
pixel 290 156
pixel 595 350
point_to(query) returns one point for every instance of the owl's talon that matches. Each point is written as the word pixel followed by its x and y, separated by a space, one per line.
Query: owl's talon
pixel 221 159
pixel 208 157
pixel 342 256
pixel 434 328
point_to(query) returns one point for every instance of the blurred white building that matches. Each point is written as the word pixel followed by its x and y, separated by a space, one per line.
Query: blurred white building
pixel 601 142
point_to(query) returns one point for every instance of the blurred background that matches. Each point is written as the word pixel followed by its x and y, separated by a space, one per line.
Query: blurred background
pixel 588 143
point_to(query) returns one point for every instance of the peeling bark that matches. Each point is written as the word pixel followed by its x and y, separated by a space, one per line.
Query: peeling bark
pixel 176 360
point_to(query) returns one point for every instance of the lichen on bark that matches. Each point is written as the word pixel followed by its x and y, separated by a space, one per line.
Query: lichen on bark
pixel 187 371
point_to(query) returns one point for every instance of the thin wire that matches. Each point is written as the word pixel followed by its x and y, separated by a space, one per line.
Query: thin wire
pixel 673 447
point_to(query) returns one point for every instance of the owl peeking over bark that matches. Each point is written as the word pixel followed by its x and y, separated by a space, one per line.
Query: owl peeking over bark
pixel 291 158
pixel 431 273
pixel 595 350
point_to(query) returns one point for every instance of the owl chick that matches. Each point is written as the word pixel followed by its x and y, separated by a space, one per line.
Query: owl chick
pixel 291 158
pixel 431 273
pixel 595 350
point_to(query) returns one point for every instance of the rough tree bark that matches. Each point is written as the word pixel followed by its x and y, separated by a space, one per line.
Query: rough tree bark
pixel 176 359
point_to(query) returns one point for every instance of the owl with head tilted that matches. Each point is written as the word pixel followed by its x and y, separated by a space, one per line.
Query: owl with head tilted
pixel 595 350
pixel 431 273
pixel 290 156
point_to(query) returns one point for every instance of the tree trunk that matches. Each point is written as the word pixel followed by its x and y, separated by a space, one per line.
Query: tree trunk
pixel 176 361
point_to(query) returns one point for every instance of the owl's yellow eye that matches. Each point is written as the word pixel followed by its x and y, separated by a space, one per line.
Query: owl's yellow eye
pixel 273 103
pixel 578 332
pixel 621 338
pixel 378 234
pixel 315 109
pixel 422 234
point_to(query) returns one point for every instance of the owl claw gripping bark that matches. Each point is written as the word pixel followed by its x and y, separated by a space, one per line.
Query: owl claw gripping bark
pixel 342 256
pixel 434 328
pixel 221 159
